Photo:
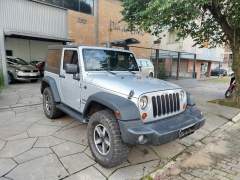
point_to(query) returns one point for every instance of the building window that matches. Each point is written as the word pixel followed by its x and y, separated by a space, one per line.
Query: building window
pixel 84 6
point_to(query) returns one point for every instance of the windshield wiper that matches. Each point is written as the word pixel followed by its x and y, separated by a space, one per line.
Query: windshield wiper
pixel 127 70
pixel 111 72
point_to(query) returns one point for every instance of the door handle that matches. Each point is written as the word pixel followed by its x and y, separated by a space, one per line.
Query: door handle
pixel 61 76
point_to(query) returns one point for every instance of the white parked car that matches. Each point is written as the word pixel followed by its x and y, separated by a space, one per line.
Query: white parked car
pixel 146 66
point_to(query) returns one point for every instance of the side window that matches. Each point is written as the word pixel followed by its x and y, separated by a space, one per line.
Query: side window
pixel 54 60
pixel 70 57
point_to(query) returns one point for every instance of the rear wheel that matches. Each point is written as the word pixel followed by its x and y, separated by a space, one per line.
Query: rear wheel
pixel 49 106
pixel 151 74
pixel 105 141
pixel 11 79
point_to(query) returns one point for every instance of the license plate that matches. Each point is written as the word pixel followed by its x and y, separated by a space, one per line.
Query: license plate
pixel 186 131
pixel 32 74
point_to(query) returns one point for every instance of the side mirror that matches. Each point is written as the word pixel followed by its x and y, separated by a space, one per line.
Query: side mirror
pixel 71 68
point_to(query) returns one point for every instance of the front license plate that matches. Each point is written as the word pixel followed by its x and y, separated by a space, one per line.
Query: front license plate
pixel 32 74
pixel 187 131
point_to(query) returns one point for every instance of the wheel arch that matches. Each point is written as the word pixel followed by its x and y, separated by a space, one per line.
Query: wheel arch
pixel 123 109
pixel 50 82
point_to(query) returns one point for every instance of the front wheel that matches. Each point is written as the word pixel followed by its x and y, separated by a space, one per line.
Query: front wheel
pixel 228 93
pixel 49 106
pixel 105 141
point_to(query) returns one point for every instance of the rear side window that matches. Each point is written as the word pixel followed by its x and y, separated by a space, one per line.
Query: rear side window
pixel 54 61
pixel 70 57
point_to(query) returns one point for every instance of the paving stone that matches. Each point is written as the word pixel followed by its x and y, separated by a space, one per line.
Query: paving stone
pixel 140 154
pixel 75 123
pixel 6 116
pixel 48 141
pixel 89 153
pixel 88 174
pixel 47 167
pixel 193 138
pixel 13 128
pixel 135 171
pixel 76 162
pixel 108 171
pixel 64 121
pixel 6 165
pixel 169 150
pixel 77 134
pixel 3 178
pixel 68 148
pixel 32 154
pixel 42 130
pixel 213 122
pixel 18 136
pixel 2 143
pixel 14 148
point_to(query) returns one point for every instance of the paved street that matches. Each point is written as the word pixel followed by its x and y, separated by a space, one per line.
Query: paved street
pixel 33 147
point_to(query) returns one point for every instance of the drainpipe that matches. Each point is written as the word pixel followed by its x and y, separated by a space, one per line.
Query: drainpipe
pixel 194 66
pixel 3 56
pixel 178 65
pixel 96 15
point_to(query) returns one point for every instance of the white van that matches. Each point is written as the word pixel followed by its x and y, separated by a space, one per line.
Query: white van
pixel 146 66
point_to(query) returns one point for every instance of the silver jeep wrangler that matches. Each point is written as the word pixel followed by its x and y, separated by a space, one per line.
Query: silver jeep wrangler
pixel 103 87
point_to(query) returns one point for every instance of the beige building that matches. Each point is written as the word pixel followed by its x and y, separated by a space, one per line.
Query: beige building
pixel 205 58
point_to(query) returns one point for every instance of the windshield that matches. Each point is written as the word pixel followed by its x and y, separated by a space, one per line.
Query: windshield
pixel 17 61
pixel 108 60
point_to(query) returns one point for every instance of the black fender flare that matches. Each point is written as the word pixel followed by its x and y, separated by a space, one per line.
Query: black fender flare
pixel 53 86
pixel 128 109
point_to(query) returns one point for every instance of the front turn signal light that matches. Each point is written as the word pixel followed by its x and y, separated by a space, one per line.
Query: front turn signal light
pixel 144 116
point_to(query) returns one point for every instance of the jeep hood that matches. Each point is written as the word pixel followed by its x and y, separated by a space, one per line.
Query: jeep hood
pixel 123 84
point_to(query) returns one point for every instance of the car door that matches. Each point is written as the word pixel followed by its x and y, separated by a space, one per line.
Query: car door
pixel 70 84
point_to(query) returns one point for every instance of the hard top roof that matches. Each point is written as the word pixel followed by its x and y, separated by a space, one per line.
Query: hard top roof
pixel 84 46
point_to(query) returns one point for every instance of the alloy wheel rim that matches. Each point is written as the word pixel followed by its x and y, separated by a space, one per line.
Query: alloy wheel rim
pixel 47 103
pixel 102 139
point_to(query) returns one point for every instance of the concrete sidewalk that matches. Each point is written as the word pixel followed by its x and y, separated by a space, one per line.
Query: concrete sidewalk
pixel 34 147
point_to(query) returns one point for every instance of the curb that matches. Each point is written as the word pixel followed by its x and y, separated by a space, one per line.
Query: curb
pixel 160 172
pixel 236 118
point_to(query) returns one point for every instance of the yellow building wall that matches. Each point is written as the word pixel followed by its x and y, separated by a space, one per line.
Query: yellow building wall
pixel 110 27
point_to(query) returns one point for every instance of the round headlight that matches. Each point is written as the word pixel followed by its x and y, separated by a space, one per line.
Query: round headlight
pixel 143 102
pixel 182 94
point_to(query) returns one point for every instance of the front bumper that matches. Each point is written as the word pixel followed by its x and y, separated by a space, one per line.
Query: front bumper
pixel 22 76
pixel 162 131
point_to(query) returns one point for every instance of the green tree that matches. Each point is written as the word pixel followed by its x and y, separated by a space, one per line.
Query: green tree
pixel 216 22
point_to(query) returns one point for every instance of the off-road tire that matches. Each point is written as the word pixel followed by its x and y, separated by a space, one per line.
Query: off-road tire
pixel 53 112
pixel 151 74
pixel 118 151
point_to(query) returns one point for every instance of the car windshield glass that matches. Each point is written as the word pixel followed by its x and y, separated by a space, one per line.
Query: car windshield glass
pixel 108 60
pixel 18 61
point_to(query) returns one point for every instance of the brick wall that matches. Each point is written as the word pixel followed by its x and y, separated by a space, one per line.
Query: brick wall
pixel 82 27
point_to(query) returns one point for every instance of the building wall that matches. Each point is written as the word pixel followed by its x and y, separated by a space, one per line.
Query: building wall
pixel 33 18
pixel 109 28
pixel 28 50
pixel 81 28
pixel 169 42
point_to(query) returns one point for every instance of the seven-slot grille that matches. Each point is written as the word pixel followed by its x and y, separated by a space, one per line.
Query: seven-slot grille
pixel 165 104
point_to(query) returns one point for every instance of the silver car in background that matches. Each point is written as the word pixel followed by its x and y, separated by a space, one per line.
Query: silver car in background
pixel 146 66
pixel 20 70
